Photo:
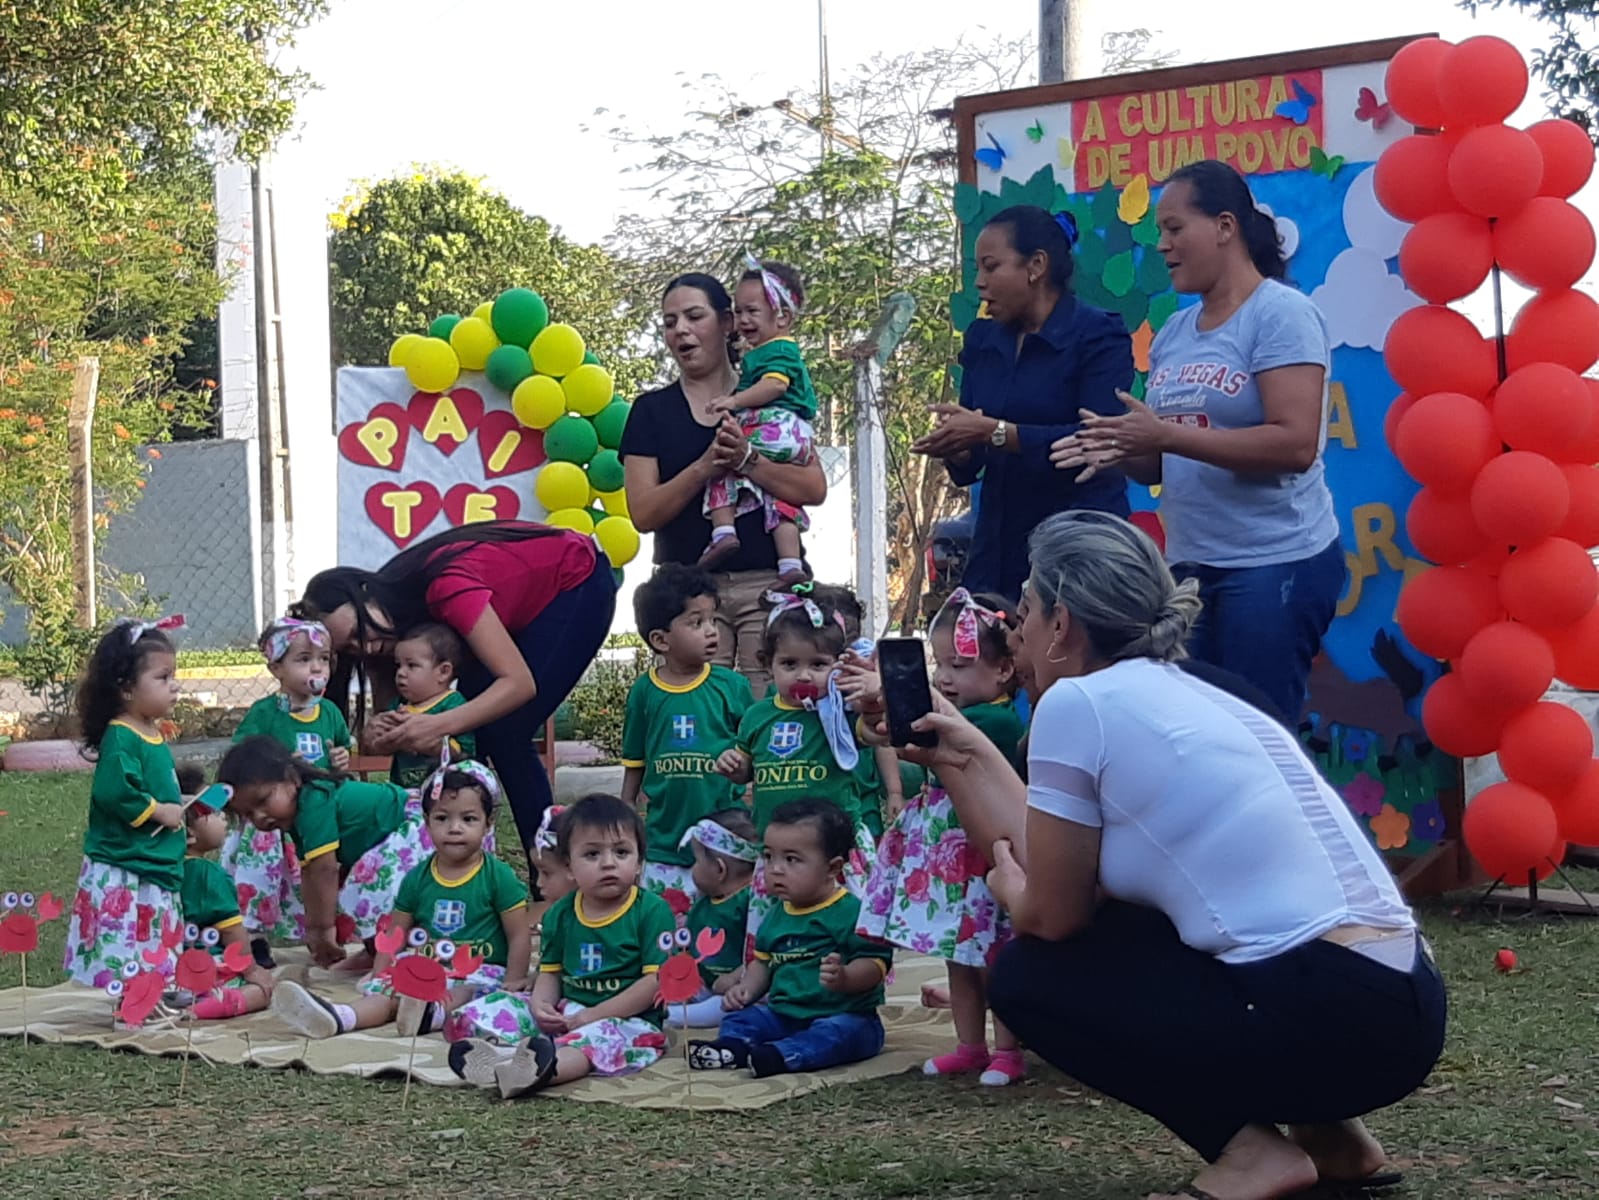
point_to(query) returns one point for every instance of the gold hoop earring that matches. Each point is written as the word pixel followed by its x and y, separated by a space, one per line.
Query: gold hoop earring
pixel 1057 661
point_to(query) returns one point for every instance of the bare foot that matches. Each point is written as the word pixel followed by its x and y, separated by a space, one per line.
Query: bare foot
pixel 1258 1164
pixel 358 963
pixel 1343 1151
pixel 935 995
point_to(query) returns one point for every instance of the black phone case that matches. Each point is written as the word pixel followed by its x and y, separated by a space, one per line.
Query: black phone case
pixel 902 662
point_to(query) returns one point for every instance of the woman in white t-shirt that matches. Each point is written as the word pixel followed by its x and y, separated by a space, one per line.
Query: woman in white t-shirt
pixel 1233 427
pixel 1208 935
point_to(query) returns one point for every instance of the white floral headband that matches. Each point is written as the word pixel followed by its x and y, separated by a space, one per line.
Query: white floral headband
pixel 783 602
pixel 720 839
pixel 969 616
pixel 466 766
pixel 546 839
pixel 777 293
pixel 136 628
pixel 280 635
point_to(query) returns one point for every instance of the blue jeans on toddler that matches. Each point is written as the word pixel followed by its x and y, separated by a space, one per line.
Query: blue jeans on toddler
pixel 806 1044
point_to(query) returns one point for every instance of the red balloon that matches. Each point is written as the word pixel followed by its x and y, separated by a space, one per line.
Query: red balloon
pixel 1549 583
pixel 1412 178
pixel 1481 81
pixel 1548 244
pixel 1396 412
pixel 1506 665
pixel 1445 440
pixel 1567 156
pixel 1442 529
pixel 1490 562
pixel 1495 170
pixel 1546 746
pixel 1558 327
pixel 1585 450
pixel 1519 498
pixel 1543 407
pixel 1442 609
pixel 1412 82
pixel 1582 518
pixel 1509 829
pixel 1447 256
pixel 1435 349
pixel 1576 648
pixel 1577 809
pixel 1456 723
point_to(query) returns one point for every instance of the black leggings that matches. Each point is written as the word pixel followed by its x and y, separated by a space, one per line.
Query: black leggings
pixel 1313 1035
pixel 559 646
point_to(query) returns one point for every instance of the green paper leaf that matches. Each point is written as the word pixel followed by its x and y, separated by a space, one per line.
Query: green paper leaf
pixel 1147 232
pixel 1140 379
pixel 1134 307
pixel 1040 189
pixel 1011 192
pixel 968 203
pixel 1118 238
pixel 1118 274
pixel 1153 277
pixel 1105 207
pixel 1161 309
pixel 1090 254
pixel 1091 291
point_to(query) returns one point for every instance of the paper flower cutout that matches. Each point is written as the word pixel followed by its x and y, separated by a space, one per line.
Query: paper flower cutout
pixel 1427 821
pixel 1364 794
pixel 1392 828
pixel 1357 744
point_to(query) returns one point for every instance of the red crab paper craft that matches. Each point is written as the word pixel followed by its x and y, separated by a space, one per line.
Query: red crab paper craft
pixel 19 930
pixel 199 969
pixel 171 939
pixel 138 991
pixel 423 976
pixel 678 980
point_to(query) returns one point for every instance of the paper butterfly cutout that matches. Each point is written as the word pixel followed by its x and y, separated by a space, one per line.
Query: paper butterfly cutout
pixel 1035 132
pixel 423 976
pixel 19 930
pixel 678 980
pixel 1323 164
pixel 1368 109
pixel 993 158
pixel 1298 109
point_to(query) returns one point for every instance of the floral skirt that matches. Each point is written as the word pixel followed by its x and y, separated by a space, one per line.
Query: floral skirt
pixel 266 872
pixel 616 1046
pixel 367 894
pixel 775 434
pixel 482 981
pixel 115 918
pixel 927 892
pixel 672 883
pixel 860 867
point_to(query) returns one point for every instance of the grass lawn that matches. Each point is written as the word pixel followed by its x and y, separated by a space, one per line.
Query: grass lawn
pixel 91 1123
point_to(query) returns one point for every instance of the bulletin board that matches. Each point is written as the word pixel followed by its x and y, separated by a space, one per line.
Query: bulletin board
pixel 1306 129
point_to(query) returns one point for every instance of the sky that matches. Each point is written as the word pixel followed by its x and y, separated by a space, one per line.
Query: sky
pixel 507 90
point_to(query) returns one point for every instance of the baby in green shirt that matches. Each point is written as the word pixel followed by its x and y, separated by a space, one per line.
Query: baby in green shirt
pixel 426 659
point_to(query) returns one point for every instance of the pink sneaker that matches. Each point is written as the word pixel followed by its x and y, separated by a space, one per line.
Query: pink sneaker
pixel 963 1060
pixel 1007 1066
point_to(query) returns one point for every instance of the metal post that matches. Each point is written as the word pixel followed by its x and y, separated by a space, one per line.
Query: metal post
pixel 1062 40
pixel 80 424
pixel 871 462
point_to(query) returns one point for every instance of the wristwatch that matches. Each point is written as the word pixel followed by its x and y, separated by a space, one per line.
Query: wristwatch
pixel 1000 435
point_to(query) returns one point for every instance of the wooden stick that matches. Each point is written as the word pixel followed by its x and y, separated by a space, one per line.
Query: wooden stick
pixel 188 1042
pixel 405 1096
pixel 24 1001
pixel 687 1066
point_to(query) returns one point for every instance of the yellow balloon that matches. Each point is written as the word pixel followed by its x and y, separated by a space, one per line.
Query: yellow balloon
pixel 588 389
pixel 615 503
pixel 483 311
pixel 561 485
pixel 576 519
pixel 538 402
pixel 400 352
pixel 558 350
pixel 474 340
pixel 618 539
pixel 431 365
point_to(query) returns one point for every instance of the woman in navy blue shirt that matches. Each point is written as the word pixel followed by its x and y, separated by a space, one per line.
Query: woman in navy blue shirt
pixel 1028 369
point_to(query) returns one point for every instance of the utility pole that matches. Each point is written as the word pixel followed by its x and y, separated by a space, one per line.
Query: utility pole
pixel 1062 40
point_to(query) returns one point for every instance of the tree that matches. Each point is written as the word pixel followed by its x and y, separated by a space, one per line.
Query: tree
pixel 1569 64
pixel 91 90
pixel 407 249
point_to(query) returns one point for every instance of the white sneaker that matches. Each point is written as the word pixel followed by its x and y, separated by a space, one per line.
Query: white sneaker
pixel 303 1011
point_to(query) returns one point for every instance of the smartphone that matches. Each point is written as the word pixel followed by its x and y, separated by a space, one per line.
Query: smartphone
pixel 902 663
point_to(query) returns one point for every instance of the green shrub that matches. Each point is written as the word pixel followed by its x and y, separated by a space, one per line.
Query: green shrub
pixel 599 702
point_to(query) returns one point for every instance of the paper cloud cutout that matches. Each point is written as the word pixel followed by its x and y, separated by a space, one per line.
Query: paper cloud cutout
pixel 1367 223
pixel 1360 299
pixel 1286 230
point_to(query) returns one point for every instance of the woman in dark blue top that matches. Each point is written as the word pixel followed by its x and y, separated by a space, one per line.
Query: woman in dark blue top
pixel 1027 370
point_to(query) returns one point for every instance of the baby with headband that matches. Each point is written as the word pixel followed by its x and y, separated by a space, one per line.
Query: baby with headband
pixel 775 405
pixel 725 852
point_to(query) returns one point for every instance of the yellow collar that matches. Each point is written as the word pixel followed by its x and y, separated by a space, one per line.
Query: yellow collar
pixel 801 912
pixel 433 867
pixel 786 706
pixel 677 689
pixel 157 740
pixel 577 909
pixel 426 705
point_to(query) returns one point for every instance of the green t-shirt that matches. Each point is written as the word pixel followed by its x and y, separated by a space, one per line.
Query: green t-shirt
pixel 793 760
pixel 792 942
pixel 599 961
pixel 676 735
pixel 412 770
pixel 780 358
pixel 134 773
pixel 999 722
pixel 348 818
pixel 731 916
pixel 209 897
pixel 466 910
pixel 311 734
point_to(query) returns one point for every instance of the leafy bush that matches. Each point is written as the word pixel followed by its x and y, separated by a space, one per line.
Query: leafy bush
pixel 599 702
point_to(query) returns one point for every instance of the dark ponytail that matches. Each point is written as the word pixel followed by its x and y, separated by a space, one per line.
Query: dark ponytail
pixel 1215 188
pixel 1034 231
pixel 721 302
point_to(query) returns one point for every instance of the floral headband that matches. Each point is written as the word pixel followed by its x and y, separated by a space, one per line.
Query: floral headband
pixel 720 840
pixel 777 293
pixel 969 617
pixel 546 839
pixel 137 628
pixel 489 781
pixel 280 635
pixel 800 598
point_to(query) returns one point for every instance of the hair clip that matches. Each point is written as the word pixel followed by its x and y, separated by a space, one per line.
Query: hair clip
pixel 1068 226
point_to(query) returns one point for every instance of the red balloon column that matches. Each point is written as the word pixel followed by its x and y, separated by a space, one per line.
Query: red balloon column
pixel 1503 434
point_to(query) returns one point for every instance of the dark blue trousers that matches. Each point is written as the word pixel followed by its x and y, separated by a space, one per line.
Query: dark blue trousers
pixel 807 1045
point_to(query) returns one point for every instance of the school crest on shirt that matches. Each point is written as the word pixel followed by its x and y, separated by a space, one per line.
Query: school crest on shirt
pixel 591 956
pixel 788 738
pixel 308 746
pixel 449 916
pixel 683 729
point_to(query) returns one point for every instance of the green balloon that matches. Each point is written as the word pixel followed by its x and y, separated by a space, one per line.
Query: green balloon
pixel 442 325
pixel 590 357
pixel 605 471
pixel 616 574
pixel 507 367
pixel 519 316
pixel 571 439
pixel 609 423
